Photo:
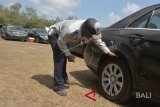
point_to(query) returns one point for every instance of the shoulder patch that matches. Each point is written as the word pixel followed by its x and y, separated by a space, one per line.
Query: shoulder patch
pixel 75 33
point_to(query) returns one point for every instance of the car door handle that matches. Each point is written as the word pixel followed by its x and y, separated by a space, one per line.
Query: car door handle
pixel 137 39
pixel 136 36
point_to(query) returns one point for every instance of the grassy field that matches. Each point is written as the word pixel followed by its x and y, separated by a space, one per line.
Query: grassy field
pixel 26 79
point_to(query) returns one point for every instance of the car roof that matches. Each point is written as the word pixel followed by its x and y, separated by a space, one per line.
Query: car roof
pixel 125 21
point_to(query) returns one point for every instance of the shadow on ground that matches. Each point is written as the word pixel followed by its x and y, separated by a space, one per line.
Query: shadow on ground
pixel 86 78
pixel 46 80
pixel 89 80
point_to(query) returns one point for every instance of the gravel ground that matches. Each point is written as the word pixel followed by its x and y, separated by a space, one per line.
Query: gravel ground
pixel 26 79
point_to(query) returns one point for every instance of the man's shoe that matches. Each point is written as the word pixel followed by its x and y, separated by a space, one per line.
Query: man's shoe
pixel 68 82
pixel 61 93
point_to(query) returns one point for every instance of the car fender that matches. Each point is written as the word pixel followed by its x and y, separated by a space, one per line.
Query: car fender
pixel 94 57
pixel 129 56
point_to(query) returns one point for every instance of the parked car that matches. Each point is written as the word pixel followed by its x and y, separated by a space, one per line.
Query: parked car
pixel 30 32
pixel 13 32
pixel 136 70
pixel 40 35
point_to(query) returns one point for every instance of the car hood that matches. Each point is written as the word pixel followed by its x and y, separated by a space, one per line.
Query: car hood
pixel 110 33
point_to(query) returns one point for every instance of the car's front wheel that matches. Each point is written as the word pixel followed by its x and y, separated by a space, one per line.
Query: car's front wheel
pixel 37 40
pixel 22 40
pixel 3 35
pixel 115 80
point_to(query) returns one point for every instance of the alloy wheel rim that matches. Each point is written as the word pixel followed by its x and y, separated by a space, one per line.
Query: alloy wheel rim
pixel 112 79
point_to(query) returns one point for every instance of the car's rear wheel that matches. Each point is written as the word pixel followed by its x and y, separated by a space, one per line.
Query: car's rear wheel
pixel 115 80
pixel 22 40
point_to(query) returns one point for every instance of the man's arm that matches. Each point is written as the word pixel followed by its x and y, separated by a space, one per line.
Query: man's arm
pixel 103 47
pixel 62 44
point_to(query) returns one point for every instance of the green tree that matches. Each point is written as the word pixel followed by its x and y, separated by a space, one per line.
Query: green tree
pixel 30 12
pixel 16 7
pixel 26 17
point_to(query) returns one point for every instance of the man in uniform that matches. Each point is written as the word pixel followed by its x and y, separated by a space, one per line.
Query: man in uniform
pixel 71 31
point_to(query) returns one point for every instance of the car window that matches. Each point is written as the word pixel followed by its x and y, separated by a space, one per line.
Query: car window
pixel 17 28
pixel 41 31
pixel 141 22
pixel 155 20
pixel 9 28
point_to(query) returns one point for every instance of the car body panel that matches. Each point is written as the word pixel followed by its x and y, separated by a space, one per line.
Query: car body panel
pixel 139 48
pixel 40 35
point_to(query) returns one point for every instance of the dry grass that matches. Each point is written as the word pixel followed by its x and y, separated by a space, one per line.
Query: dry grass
pixel 26 79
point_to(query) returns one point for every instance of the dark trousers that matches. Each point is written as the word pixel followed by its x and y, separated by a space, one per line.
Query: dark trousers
pixel 60 61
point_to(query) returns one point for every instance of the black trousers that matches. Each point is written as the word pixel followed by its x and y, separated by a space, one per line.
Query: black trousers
pixel 60 62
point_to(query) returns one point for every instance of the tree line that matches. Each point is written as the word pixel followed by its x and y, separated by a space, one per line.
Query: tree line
pixel 25 17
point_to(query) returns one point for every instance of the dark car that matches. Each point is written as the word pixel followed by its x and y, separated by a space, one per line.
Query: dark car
pixel 13 32
pixel 30 32
pixel 136 70
pixel 40 35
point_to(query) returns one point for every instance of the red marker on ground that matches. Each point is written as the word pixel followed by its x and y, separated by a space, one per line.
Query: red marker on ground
pixel 88 95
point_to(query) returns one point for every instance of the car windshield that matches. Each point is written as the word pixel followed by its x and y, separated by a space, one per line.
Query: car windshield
pixel 15 28
pixel 41 31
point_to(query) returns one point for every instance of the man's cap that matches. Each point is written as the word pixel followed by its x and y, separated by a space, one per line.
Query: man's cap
pixel 91 27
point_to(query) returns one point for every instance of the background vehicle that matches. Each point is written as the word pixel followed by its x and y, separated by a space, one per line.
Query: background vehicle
pixel 13 32
pixel 136 41
pixel 40 35
pixel 30 32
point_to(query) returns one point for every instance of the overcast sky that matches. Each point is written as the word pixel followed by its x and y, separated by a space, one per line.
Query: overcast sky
pixel 106 12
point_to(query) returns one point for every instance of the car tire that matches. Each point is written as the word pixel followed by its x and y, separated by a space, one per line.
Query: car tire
pixel 4 37
pixel 37 40
pixel 1 35
pixel 22 40
pixel 115 80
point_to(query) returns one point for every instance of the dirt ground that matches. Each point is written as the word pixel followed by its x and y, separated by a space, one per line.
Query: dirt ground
pixel 26 79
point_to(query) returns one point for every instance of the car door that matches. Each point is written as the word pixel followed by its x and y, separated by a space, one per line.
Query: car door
pixel 151 48
pixel 145 36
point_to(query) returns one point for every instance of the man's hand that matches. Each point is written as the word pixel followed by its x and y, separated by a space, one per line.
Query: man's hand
pixel 71 58
pixel 111 54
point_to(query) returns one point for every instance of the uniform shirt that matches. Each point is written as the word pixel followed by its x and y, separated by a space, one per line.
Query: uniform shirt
pixel 70 31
